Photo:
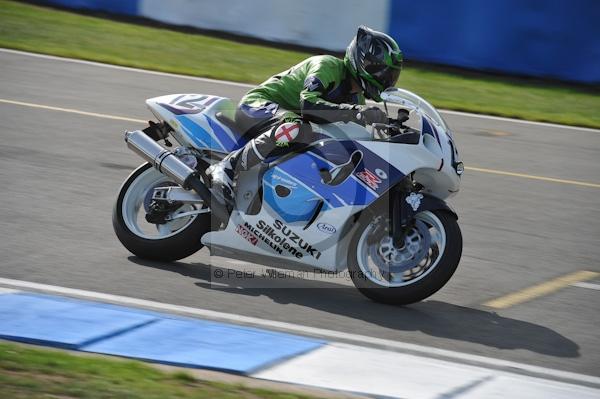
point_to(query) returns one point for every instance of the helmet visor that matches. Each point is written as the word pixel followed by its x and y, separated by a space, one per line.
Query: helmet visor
pixel 385 75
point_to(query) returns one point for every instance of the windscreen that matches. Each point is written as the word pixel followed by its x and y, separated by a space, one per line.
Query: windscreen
pixel 412 102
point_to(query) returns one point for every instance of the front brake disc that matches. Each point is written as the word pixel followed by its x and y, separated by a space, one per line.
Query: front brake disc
pixel 387 267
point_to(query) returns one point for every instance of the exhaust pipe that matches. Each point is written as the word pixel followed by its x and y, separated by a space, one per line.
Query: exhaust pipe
pixel 169 165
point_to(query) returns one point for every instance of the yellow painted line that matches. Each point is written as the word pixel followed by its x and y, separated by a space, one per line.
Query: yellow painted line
pixel 73 111
pixel 525 176
pixel 539 290
pixel 471 168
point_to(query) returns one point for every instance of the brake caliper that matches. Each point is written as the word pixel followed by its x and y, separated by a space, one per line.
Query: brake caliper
pixel 159 210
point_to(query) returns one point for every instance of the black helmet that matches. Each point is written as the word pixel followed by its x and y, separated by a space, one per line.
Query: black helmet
pixel 374 60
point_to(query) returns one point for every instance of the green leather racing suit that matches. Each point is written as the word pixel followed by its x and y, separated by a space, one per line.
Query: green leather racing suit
pixel 318 89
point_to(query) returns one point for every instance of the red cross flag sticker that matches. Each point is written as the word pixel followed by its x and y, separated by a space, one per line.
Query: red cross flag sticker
pixel 287 132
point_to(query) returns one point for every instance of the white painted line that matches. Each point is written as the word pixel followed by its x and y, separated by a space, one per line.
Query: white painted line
pixel 511 386
pixel 124 68
pixel 390 374
pixel 533 177
pixel 521 121
pixel 72 111
pixel 590 286
pixel 374 372
pixel 305 330
pixel 248 86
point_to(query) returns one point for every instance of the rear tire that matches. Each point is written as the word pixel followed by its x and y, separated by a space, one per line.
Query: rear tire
pixel 179 244
pixel 424 285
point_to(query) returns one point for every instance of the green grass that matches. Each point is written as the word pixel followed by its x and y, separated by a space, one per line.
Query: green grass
pixel 27 372
pixel 45 30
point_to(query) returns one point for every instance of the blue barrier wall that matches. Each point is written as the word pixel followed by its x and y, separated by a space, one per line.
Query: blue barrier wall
pixel 126 7
pixel 547 38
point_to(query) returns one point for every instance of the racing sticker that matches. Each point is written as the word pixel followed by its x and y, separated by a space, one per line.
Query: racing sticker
pixel 285 133
pixel 326 228
pixel 188 104
pixel 369 178
pixel 281 239
pixel 287 182
pixel 246 234
pixel 414 200
pixel 381 173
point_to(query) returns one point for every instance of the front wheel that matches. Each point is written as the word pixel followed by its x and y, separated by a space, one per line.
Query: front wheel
pixel 173 240
pixel 427 259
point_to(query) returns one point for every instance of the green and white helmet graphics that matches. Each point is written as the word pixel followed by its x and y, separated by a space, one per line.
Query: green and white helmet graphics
pixel 374 60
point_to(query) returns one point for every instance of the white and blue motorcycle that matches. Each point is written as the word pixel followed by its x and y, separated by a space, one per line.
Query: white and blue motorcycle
pixel 369 200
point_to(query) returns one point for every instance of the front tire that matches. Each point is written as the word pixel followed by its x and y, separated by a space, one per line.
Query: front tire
pixel 167 242
pixel 372 262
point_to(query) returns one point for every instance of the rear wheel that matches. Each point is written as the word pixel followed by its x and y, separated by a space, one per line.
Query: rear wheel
pixel 427 259
pixel 176 239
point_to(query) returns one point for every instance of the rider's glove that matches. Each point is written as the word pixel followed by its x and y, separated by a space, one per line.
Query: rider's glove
pixel 369 115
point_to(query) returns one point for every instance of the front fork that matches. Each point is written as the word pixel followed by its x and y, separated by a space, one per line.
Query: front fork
pixel 405 201
pixel 402 214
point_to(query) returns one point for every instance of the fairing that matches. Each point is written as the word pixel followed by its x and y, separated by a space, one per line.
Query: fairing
pixel 193 118
pixel 318 216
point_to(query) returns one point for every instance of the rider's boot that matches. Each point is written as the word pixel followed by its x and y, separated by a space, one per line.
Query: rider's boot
pixel 222 174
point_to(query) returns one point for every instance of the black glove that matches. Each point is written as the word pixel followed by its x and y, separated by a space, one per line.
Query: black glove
pixel 369 115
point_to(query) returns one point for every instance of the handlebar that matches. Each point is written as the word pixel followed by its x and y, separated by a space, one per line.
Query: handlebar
pixel 394 126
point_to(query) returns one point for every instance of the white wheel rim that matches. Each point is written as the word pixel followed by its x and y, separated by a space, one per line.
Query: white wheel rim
pixel 134 214
pixel 411 276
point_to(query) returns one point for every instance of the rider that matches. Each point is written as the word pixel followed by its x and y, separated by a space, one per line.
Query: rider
pixel 320 89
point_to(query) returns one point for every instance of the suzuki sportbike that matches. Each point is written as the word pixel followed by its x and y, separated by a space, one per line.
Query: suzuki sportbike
pixel 370 200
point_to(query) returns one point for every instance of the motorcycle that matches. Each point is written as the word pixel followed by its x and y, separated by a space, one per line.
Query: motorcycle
pixel 366 199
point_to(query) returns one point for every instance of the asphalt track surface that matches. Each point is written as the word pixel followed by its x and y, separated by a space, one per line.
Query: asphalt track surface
pixel 60 172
